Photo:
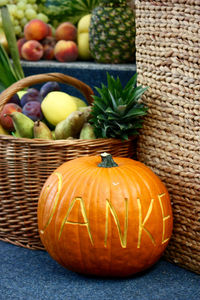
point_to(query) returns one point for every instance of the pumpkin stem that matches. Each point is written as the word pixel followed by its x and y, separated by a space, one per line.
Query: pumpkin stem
pixel 107 161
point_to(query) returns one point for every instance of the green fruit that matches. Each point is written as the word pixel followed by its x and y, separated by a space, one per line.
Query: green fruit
pixel 41 131
pixel 57 106
pixel 71 126
pixel 21 93
pixel 23 125
pixel 87 132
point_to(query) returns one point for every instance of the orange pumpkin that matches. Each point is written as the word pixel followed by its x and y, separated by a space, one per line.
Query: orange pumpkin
pixel 109 218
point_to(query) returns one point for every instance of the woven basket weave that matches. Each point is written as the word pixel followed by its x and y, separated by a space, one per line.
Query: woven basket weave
pixel 168 61
pixel 25 164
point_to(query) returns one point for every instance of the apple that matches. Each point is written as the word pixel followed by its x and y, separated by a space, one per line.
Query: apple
pixel 66 51
pixel 83 37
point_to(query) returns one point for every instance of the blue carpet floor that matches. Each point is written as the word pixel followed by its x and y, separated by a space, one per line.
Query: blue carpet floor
pixel 34 275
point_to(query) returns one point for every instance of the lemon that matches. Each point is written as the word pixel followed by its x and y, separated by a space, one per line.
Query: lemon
pixel 57 106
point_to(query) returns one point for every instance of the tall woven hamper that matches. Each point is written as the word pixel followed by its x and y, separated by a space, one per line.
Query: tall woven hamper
pixel 168 61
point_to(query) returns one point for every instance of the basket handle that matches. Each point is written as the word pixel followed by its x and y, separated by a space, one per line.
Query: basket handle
pixel 35 79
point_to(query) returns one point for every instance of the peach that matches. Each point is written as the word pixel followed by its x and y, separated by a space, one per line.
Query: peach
pixel 5 119
pixel 48 44
pixel 48 52
pixel 66 51
pixel 32 50
pixel 49 40
pixel 20 43
pixel 66 31
pixel 50 31
pixel 36 30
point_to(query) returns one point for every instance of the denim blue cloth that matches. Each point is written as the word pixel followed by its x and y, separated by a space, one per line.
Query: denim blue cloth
pixel 90 73
pixel 34 275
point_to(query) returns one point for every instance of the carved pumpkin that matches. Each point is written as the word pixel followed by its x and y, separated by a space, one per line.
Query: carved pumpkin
pixel 109 218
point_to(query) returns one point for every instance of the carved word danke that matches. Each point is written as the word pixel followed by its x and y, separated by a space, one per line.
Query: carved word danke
pixel 110 210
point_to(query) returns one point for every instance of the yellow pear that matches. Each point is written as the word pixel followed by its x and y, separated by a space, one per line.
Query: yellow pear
pixel 57 106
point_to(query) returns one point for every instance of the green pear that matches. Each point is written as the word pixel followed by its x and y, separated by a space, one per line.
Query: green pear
pixel 87 132
pixel 23 124
pixel 41 131
pixel 53 134
pixel 87 112
pixel 71 126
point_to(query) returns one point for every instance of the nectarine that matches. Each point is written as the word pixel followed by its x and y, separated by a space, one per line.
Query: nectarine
pixel 32 50
pixel 5 119
pixel 20 43
pixel 66 51
pixel 36 30
pixel 66 31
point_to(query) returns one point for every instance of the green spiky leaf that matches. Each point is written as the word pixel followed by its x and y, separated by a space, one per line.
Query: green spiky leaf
pixel 117 112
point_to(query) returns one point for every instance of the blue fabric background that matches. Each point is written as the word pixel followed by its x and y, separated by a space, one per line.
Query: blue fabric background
pixel 34 275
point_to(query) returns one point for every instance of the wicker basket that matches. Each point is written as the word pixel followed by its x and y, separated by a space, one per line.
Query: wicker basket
pixel 25 164
pixel 168 61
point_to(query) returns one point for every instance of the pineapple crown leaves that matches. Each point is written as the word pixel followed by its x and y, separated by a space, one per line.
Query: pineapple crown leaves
pixel 117 111
pixel 67 9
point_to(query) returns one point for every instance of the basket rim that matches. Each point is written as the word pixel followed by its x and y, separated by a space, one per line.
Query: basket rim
pixel 64 142
pixel 31 80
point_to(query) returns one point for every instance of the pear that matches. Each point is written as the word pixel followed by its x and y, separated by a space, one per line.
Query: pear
pixel 71 126
pixel 53 134
pixel 23 124
pixel 86 111
pixel 87 132
pixel 41 131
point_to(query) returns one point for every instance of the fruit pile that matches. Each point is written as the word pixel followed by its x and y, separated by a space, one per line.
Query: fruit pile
pixel 46 113
pixel 39 42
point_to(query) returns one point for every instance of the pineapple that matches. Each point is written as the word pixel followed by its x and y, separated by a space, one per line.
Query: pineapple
pixel 117 111
pixel 112 32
